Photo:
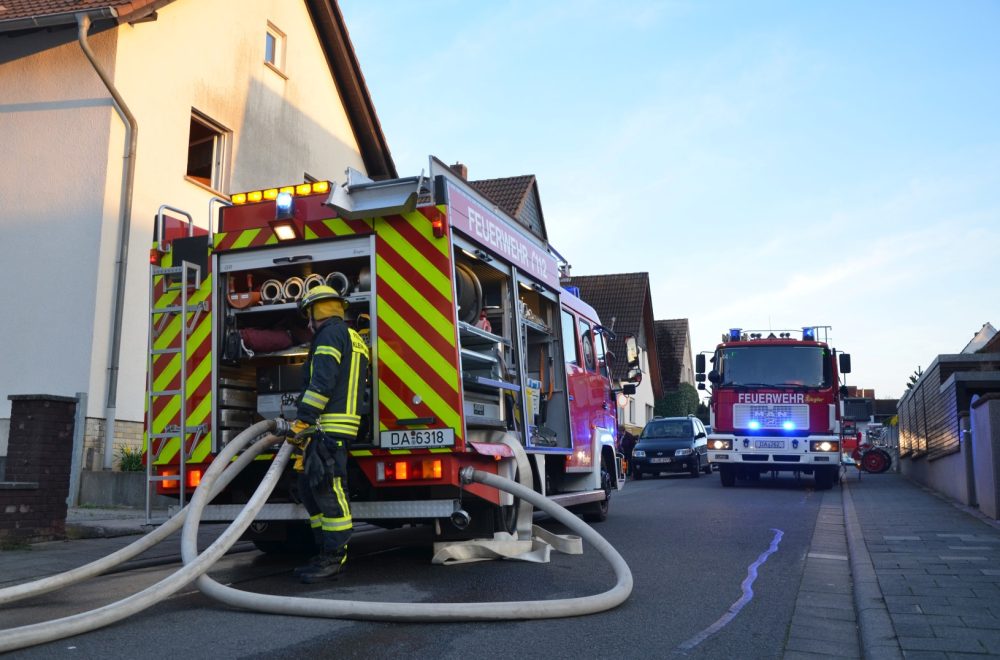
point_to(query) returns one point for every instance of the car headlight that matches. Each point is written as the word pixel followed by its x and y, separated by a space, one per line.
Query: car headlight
pixel 638 453
pixel 684 452
pixel 824 445
pixel 720 444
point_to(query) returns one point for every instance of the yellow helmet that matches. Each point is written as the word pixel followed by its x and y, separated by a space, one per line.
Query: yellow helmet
pixel 318 294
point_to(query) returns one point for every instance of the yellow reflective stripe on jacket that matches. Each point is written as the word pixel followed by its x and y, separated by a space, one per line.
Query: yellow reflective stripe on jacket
pixel 328 350
pixel 315 399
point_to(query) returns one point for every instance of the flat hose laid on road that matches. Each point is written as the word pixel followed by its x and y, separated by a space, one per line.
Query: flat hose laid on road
pixel 40 633
pixel 443 612
pixel 195 566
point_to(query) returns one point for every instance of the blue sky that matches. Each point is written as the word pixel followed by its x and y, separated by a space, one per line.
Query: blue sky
pixel 769 164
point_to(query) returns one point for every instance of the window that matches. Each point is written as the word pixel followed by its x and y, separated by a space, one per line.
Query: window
pixel 602 364
pixel 586 340
pixel 569 339
pixel 649 412
pixel 274 48
pixel 207 144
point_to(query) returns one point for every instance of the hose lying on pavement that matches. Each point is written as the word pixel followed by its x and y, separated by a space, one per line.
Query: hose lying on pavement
pixel 195 566
pixel 53 582
pixel 39 633
pixel 452 612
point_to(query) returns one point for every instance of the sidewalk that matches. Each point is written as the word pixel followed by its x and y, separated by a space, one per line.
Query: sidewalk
pixel 937 565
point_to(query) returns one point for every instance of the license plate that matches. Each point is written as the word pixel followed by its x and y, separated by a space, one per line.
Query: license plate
pixel 417 438
pixel 769 444
pixel 660 460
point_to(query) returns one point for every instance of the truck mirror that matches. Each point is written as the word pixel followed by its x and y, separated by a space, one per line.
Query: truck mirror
pixel 631 351
pixel 843 392
pixel 634 375
pixel 845 363
pixel 628 388
pixel 699 363
pixel 713 376
pixel 701 386
pixel 699 377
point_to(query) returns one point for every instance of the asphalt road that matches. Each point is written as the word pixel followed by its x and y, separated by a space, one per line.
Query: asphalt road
pixel 690 543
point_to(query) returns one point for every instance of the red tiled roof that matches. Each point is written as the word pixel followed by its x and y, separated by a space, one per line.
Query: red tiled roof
pixel 620 301
pixel 508 193
pixel 127 10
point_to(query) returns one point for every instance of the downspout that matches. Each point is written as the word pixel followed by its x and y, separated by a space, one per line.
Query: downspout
pixel 121 266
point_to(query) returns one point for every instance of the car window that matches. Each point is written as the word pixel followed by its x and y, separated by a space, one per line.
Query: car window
pixel 668 428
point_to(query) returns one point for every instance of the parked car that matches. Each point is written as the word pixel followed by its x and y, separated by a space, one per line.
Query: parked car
pixel 671 444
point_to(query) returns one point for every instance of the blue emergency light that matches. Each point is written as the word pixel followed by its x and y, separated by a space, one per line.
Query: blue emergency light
pixel 808 334
pixel 753 425
pixel 283 205
pixel 734 334
pixel 788 425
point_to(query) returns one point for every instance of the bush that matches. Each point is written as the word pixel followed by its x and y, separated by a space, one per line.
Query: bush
pixel 130 460
pixel 681 403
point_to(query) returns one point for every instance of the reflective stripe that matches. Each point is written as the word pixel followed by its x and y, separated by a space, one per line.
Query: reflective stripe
pixel 328 350
pixel 329 526
pixel 315 399
pixel 338 490
pixel 315 521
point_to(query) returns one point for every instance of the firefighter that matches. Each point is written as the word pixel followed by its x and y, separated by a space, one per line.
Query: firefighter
pixel 327 419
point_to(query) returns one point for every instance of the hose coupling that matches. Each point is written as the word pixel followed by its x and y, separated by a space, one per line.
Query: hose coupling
pixel 282 427
pixel 465 474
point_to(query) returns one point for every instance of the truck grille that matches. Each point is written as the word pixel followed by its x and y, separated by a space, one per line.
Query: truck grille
pixel 770 416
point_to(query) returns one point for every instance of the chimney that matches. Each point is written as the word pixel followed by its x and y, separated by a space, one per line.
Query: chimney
pixel 461 170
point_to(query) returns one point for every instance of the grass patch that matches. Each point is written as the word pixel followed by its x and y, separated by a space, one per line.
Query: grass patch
pixel 130 460
pixel 14 545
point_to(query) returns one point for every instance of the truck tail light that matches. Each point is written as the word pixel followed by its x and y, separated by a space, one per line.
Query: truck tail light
pixel 409 470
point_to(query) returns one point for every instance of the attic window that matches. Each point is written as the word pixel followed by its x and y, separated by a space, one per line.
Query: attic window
pixel 274 48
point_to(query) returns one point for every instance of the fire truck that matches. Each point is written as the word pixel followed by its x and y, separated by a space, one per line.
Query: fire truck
pixel 478 356
pixel 776 404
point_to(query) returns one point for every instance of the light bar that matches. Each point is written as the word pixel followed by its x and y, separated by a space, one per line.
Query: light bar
pixel 271 194
pixel 734 334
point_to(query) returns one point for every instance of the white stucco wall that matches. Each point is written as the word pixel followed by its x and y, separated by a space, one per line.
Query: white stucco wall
pixel 55 117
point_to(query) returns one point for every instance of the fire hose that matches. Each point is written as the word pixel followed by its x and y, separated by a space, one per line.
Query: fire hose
pixel 219 474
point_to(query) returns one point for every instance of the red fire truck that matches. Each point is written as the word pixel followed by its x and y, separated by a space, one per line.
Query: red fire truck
pixel 775 404
pixel 479 357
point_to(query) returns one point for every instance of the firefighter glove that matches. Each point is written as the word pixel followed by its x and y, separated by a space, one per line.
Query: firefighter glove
pixel 301 432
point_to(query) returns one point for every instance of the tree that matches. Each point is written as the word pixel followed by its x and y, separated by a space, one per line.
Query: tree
pixel 681 403
pixel 914 377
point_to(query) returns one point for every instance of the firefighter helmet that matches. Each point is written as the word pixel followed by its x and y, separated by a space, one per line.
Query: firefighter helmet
pixel 318 294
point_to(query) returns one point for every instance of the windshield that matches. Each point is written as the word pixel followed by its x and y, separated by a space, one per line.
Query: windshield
pixel 777 366
pixel 668 428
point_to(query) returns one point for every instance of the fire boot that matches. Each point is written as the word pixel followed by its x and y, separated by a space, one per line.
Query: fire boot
pixel 330 564
pixel 315 560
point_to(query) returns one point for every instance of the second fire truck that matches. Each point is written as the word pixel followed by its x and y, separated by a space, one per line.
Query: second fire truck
pixel 775 404
pixel 479 357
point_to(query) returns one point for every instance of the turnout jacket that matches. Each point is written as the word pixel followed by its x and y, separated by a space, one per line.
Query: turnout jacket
pixel 335 373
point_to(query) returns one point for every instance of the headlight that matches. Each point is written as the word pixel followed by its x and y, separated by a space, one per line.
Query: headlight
pixel 638 453
pixel 824 445
pixel 720 444
pixel 684 452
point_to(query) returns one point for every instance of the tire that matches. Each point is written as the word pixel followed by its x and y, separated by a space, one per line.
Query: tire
pixel 695 469
pixel 598 511
pixel 298 539
pixel 708 468
pixel 875 461
pixel 727 475
pixel 824 478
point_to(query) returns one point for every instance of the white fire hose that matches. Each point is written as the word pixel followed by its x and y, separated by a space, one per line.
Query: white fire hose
pixel 219 474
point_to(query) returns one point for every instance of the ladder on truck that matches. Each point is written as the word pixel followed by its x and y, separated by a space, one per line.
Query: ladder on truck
pixel 184 279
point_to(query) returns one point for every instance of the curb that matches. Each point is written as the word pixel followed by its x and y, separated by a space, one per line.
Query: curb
pixel 878 635
pixel 76 532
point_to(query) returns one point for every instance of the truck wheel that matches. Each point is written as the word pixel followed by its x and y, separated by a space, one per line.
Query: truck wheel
pixel 824 478
pixel 727 475
pixel 598 511
pixel 291 537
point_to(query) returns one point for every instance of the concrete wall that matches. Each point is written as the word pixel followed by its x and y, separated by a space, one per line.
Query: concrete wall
pixel 112 489
pixel 985 427
pixel 947 475
pixel 59 214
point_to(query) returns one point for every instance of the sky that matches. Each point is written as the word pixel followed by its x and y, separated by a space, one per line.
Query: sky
pixel 770 164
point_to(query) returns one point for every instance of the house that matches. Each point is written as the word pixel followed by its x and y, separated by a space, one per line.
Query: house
pixel 110 109
pixel 625 305
pixel 937 419
pixel 673 346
